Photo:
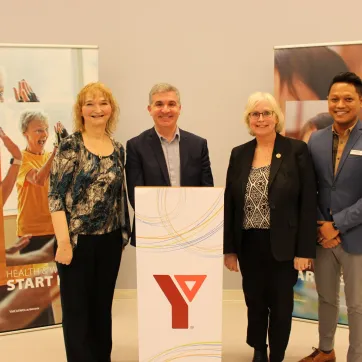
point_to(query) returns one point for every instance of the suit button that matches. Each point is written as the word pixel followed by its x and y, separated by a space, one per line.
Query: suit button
pixel 333 188
pixel 272 206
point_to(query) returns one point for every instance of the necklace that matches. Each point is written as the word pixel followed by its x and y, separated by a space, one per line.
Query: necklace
pixel 38 154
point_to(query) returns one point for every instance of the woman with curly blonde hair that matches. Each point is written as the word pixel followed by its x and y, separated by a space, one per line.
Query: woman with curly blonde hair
pixel 88 204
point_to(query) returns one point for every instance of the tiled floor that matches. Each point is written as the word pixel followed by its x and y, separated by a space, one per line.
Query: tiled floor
pixel 47 345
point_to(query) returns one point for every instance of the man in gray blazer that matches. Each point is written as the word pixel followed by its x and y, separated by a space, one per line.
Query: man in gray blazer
pixel 337 156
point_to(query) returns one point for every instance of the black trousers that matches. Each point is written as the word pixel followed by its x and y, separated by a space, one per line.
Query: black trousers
pixel 268 289
pixel 86 290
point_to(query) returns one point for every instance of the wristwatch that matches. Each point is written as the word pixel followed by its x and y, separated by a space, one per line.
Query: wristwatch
pixel 14 161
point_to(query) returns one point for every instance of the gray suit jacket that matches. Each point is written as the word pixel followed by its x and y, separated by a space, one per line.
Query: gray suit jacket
pixel 340 195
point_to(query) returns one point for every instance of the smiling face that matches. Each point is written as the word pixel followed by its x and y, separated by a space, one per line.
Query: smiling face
pixel 96 110
pixel 36 135
pixel 165 110
pixel 262 119
pixel 344 104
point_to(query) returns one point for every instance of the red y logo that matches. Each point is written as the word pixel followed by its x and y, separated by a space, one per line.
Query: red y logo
pixel 180 309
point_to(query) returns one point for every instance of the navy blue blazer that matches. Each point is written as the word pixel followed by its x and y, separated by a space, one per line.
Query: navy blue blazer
pixel 146 164
pixel 340 195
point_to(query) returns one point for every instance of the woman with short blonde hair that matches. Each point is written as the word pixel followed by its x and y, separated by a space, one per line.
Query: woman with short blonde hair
pixel 269 223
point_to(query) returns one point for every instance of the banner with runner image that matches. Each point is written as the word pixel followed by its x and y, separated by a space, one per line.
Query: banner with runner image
pixel 38 87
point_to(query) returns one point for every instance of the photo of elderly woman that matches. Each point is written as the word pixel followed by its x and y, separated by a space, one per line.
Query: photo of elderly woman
pixel 36 302
pixel 38 85
pixel 33 180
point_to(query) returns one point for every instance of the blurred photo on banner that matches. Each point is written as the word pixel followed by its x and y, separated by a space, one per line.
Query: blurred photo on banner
pixel 38 86
pixel 302 75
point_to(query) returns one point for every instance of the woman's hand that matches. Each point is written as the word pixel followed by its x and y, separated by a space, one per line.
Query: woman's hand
pixel 64 254
pixel 231 262
pixel 301 263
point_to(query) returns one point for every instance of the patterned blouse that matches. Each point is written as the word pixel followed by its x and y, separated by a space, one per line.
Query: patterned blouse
pixel 89 189
pixel 256 205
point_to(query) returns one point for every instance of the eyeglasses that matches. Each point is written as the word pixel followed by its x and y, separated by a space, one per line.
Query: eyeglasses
pixel 256 115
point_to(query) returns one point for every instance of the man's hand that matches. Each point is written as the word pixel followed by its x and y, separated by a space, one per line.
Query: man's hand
pixel 326 230
pixel 231 262
pixel 328 244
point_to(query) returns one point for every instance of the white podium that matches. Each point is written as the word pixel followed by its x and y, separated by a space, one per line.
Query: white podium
pixel 179 232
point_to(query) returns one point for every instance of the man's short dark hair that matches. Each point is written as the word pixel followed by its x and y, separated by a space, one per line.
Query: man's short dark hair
pixel 349 78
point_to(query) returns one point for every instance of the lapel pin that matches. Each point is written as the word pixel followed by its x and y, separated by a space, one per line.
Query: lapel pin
pixel 278 155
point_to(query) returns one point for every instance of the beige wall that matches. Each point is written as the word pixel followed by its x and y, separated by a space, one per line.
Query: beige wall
pixel 216 52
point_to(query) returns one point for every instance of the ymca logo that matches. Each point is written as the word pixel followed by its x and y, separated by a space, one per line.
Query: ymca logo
pixel 180 309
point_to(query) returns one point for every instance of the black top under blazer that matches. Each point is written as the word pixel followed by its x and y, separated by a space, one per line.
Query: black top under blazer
pixel 292 199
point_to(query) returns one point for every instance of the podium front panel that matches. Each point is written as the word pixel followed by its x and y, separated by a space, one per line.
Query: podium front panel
pixel 179 233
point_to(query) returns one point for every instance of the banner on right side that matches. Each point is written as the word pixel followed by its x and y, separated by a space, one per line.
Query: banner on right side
pixel 302 75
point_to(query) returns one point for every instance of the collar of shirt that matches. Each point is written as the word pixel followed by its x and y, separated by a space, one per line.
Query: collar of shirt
pixel 346 132
pixel 177 134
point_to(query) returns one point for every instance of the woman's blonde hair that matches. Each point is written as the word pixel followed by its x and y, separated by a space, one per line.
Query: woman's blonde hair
pixel 254 99
pixel 93 89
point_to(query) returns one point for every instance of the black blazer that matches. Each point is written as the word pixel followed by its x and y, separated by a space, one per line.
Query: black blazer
pixel 146 164
pixel 292 199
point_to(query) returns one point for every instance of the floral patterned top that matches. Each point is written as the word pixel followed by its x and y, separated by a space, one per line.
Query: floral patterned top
pixel 89 189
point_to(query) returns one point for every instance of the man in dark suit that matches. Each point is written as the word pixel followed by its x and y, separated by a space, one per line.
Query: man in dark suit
pixel 165 155
pixel 337 156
